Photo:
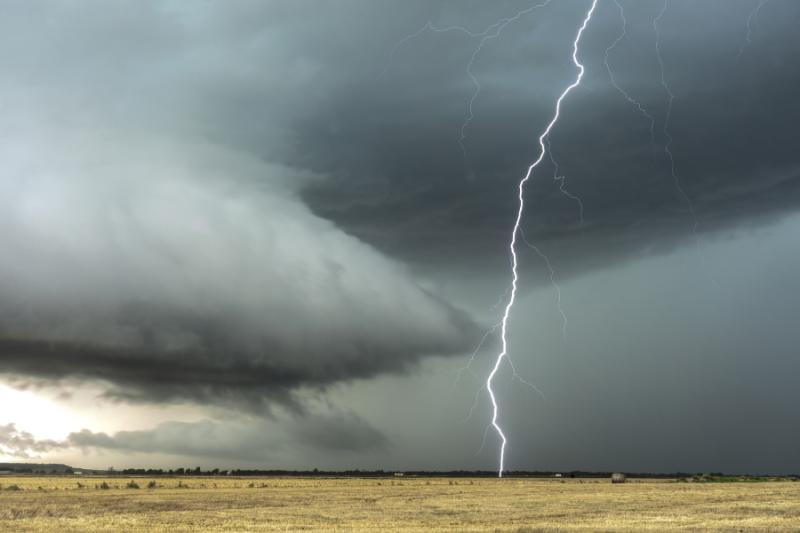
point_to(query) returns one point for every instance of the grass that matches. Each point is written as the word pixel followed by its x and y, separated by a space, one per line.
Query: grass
pixel 407 505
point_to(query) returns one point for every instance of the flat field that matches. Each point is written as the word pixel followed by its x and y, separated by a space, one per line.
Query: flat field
pixel 392 504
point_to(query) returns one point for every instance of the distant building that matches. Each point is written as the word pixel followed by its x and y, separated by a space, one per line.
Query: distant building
pixel 399 474
pixel 557 475
pixel 616 477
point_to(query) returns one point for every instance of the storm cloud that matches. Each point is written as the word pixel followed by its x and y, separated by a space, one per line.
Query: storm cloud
pixel 257 204
pixel 172 274
pixel 414 194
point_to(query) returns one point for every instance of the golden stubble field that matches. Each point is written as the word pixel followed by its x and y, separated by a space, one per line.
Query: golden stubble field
pixel 404 504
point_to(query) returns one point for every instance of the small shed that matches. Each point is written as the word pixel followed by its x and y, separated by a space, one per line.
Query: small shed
pixel 617 477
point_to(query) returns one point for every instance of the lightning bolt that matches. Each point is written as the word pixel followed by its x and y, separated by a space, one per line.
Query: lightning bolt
pixel 668 116
pixel 502 356
pixel 748 36
pixel 562 186
pixel 668 146
pixel 468 366
pixel 616 85
pixel 428 26
pixel 670 97
pixel 491 32
pixel 564 321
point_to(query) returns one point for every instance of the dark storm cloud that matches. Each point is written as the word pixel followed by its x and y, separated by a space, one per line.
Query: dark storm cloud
pixel 144 246
pixel 401 182
pixel 158 234
pixel 176 277
pixel 216 374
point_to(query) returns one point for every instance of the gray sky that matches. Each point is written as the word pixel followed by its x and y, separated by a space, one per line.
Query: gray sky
pixel 245 234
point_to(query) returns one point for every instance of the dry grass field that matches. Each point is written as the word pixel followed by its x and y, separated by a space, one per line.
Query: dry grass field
pixel 403 504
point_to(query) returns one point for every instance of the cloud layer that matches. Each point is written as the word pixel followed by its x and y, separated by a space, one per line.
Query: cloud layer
pixel 192 272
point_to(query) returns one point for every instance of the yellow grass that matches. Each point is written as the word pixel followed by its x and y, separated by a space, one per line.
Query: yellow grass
pixel 404 504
